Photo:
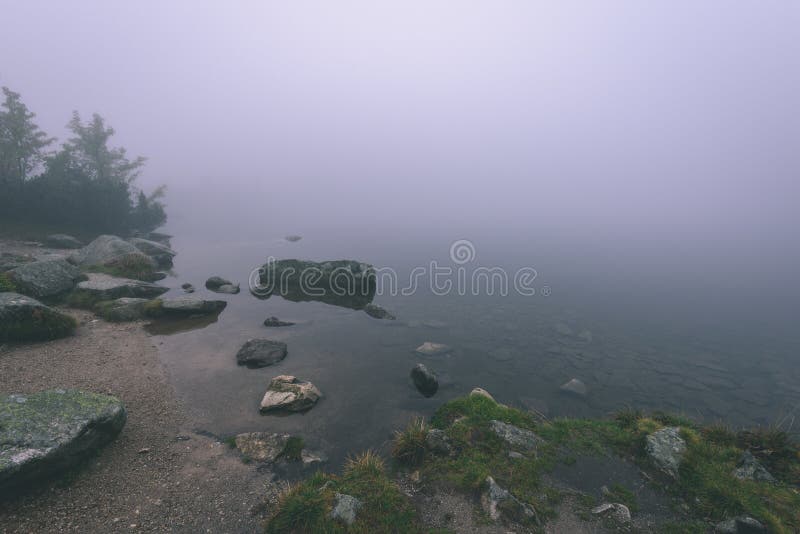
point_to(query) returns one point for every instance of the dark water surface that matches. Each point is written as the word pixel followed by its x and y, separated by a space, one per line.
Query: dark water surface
pixel 650 342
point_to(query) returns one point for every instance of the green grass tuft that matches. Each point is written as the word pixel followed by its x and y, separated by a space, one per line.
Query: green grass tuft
pixel 408 446
pixel 293 450
pixel 6 284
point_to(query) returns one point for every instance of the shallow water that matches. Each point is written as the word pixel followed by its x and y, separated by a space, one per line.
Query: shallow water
pixel 655 346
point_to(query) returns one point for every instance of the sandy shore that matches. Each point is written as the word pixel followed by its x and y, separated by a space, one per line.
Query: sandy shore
pixel 158 475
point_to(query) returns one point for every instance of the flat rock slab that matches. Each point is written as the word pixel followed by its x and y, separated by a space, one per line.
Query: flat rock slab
pixel 287 393
pixel 26 319
pixel 515 436
pixel 262 447
pixel 44 433
pixel 46 278
pixel 122 309
pixel 257 353
pixel 192 306
pixel 106 287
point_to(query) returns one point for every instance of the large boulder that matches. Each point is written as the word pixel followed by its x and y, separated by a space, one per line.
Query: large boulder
pixel 122 309
pixel 666 448
pixel 161 253
pixel 44 433
pixel 257 353
pixel 62 241
pixel 346 283
pixel 106 287
pixel 287 393
pixel 47 278
pixel 188 306
pixel 111 251
pixel 26 319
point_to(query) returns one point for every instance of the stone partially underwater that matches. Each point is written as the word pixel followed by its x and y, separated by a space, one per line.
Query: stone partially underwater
pixel 46 433
pixel 345 283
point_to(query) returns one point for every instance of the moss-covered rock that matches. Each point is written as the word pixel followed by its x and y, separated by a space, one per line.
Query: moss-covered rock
pixel 46 278
pixel 47 432
pixel 26 319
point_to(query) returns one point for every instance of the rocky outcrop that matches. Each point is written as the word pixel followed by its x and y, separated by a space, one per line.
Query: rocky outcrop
pixel 191 306
pixel 26 319
pixel 110 251
pixel 44 433
pixel 575 387
pixel 62 241
pixel 287 393
pixel 430 348
pixel 274 322
pixel 516 437
pixel 122 309
pixel 665 448
pixel 498 502
pixel 424 380
pixel 261 447
pixel 377 312
pixel 105 287
pixel 751 469
pixel 345 508
pixel 261 353
pixel 345 283
pixel 47 278
pixel 161 253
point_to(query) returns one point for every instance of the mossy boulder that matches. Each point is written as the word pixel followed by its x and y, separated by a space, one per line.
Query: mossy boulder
pixel 122 309
pixel 45 433
pixel 26 319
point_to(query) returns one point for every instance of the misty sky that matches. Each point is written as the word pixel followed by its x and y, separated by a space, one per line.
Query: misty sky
pixel 677 119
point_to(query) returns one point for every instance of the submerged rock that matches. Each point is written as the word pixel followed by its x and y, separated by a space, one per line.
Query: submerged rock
pixel 62 241
pixel 161 253
pixel 433 349
pixel 287 393
pixel 109 251
pixel 515 436
pixel 377 312
pixel 122 309
pixel 262 447
pixel 424 380
pixel 293 238
pixel 498 502
pixel 751 469
pixel 665 448
pixel 26 319
pixel 346 508
pixel 575 387
pixel 46 278
pixel 44 433
pixel 105 287
pixel 274 322
pixel 261 353
pixel 345 283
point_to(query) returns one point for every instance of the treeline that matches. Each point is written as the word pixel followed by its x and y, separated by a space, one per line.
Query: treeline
pixel 83 184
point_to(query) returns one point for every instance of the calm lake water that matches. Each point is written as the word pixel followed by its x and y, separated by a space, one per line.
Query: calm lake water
pixel 652 341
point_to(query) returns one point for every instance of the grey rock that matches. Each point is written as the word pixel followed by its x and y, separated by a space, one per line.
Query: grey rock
pixel 191 306
pixel 437 442
pixel 122 309
pixel 62 241
pixel 287 393
pixel 293 238
pixel 261 353
pixel 230 289
pixel 751 469
pixel 310 458
pixel 424 380
pixel 26 319
pixel 162 254
pixel 106 287
pixel 10 261
pixel 666 448
pixel 433 349
pixel 515 436
pixel 377 312
pixel 274 322
pixel 498 502
pixel 575 387
pixel 43 433
pixel 514 455
pixel 345 508
pixel 262 447
pixel 480 392
pixel 187 287
pixel 617 512
pixel 740 525
pixel 215 282
pixel 110 250
pixel 46 278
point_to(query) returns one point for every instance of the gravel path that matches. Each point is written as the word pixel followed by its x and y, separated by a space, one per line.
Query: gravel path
pixel 158 475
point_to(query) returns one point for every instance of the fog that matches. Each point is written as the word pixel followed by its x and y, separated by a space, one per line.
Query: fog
pixel 661 135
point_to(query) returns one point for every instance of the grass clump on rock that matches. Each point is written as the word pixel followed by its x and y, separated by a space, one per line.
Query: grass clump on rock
pixel 133 266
